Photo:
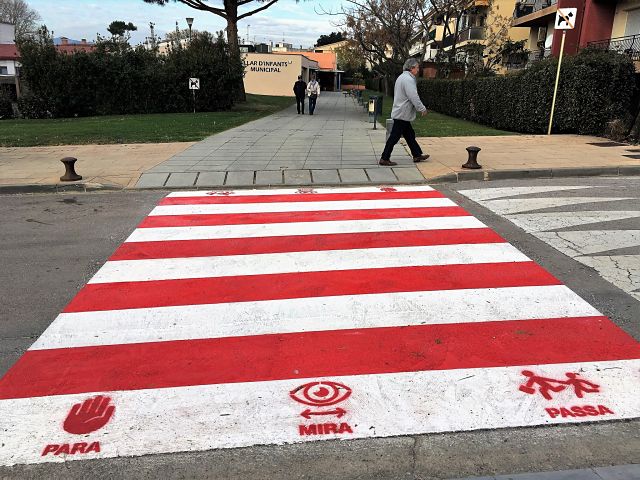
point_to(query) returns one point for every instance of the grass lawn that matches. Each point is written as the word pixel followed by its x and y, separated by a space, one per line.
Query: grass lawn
pixel 153 128
pixel 438 125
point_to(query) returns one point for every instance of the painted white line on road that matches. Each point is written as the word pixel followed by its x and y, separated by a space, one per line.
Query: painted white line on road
pixel 481 194
pixel 233 208
pixel 311 314
pixel 540 222
pixel 516 205
pixel 160 234
pixel 262 413
pixel 289 191
pixel 314 261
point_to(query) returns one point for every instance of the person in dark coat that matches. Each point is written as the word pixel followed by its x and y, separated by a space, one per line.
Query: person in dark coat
pixel 299 89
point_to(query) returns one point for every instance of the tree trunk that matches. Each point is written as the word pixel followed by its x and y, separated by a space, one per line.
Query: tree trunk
pixel 234 50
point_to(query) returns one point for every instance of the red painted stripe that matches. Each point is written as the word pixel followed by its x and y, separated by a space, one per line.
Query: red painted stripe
pixel 316 355
pixel 246 288
pixel 288 217
pixel 301 243
pixel 286 198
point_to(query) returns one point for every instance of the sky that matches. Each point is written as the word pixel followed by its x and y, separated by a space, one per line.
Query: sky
pixel 298 23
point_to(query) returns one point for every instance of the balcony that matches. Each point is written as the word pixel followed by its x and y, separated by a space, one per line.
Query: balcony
pixel 629 46
pixel 471 33
pixel 531 13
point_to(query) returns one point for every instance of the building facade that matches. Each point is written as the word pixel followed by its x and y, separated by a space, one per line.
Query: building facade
pixel 606 24
pixel 275 73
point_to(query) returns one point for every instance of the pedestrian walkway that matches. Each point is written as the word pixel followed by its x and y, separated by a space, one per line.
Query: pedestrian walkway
pixel 259 317
pixel 336 145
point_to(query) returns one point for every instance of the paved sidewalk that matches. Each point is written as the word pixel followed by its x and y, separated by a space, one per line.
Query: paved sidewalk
pixel 527 156
pixel 101 166
pixel 335 145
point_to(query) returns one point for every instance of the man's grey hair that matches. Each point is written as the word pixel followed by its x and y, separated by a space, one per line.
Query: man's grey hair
pixel 410 63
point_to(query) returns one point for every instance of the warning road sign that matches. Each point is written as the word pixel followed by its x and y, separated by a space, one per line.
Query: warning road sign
pixel 566 18
pixel 239 318
pixel 194 84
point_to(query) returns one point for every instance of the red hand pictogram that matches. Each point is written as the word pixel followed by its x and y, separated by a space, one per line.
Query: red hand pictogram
pixel 89 416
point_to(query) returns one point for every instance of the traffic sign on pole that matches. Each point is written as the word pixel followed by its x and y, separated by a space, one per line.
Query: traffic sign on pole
pixel 565 20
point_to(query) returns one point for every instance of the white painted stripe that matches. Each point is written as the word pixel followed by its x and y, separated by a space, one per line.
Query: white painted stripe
pixel 261 413
pixel 311 314
pixel 313 261
pixel 480 194
pixel 517 205
pixel 540 222
pixel 160 234
pixel 588 242
pixel 286 191
pixel 213 209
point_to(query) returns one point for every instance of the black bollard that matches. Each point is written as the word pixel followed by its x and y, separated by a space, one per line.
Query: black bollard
pixel 70 174
pixel 472 162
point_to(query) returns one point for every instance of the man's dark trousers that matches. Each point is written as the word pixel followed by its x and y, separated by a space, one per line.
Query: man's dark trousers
pixel 401 128
pixel 300 103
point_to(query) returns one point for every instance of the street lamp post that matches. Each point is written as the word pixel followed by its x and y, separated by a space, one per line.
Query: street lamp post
pixel 190 23
pixel 248 41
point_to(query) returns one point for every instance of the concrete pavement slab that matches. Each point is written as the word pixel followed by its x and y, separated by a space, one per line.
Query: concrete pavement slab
pixel 211 179
pixel 269 177
pixel 297 177
pixel 353 175
pixel 383 175
pixel 181 179
pixel 151 180
pixel 327 177
pixel 239 178
pixel 408 174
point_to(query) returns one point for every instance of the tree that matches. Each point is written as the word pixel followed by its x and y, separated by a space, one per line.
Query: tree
pixel 333 37
pixel 118 28
pixel 230 11
pixel 18 13
pixel 382 32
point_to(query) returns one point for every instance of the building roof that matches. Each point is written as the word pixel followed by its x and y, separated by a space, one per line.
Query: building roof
pixel 326 60
pixel 8 51
pixel 76 47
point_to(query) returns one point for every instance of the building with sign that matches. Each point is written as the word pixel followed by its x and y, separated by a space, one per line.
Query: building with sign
pixel 275 73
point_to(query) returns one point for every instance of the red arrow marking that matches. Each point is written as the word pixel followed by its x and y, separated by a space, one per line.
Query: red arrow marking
pixel 338 412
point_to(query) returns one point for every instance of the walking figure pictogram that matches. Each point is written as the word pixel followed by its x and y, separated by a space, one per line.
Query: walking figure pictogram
pixel 547 385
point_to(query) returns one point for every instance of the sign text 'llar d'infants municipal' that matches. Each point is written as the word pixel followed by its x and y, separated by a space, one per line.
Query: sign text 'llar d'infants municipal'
pixel 266 65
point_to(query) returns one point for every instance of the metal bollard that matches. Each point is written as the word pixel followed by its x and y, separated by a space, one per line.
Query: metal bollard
pixel 389 125
pixel 472 162
pixel 70 174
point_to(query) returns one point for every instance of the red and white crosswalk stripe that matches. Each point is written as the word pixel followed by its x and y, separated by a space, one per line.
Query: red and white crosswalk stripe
pixel 231 319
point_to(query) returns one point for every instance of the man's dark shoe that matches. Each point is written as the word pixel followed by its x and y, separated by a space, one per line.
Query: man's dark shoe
pixel 420 158
pixel 387 163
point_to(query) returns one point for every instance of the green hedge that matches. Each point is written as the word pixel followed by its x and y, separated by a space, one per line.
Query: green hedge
pixel 116 79
pixel 595 87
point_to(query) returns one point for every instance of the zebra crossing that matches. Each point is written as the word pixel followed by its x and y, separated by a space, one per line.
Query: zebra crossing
pixel 237 318
pixel 603 232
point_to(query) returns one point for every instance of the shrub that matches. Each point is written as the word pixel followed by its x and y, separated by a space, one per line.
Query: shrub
pixel 596 87
pixel 116 79
pixel 6 110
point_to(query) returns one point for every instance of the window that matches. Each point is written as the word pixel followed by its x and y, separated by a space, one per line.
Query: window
pixel 4 70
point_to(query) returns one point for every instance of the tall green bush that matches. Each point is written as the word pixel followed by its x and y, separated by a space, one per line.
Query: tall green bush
pixel 117 79
pixel 595 88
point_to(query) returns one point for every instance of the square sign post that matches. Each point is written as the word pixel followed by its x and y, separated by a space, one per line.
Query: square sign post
pixel 194 84
pixel 565 20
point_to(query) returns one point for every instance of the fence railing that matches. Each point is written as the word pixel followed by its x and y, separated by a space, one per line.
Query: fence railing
pixel 629 45
pixel 540 54
pixel 527 7
pixel 471 33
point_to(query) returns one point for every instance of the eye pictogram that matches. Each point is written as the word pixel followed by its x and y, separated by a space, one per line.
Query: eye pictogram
pixel 320 394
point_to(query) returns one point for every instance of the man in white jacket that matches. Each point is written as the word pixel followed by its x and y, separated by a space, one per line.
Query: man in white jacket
pixel 313 92
pixel 406 103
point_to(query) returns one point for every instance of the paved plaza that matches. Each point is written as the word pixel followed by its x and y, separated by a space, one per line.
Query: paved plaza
pixel 335 145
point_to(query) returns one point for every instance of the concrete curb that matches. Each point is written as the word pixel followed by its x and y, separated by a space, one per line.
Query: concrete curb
pixel 455 177
pixel 58 188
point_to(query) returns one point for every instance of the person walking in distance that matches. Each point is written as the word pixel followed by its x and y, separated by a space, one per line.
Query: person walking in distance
pixel 406 103
pixel 299 89
pixel 313 91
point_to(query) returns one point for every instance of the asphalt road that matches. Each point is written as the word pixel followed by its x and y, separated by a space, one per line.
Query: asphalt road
pixel 52 244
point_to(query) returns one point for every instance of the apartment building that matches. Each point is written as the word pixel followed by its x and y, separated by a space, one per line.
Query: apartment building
pixel 606 24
